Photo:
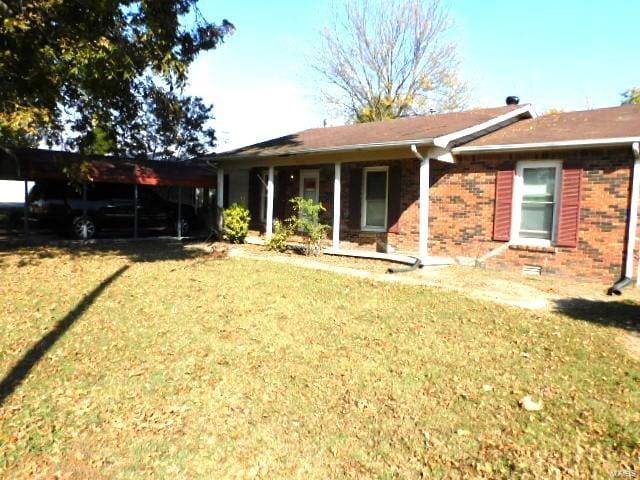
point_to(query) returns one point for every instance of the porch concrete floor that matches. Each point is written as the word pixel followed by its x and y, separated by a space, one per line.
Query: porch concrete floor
pixel 405 258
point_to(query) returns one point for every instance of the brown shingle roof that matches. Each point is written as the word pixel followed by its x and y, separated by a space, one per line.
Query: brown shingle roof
pixel 398 130
pixel 602 123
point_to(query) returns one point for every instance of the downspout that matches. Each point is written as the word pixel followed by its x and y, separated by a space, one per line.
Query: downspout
pixel 616 288
pixel 418 263
pixel 423 221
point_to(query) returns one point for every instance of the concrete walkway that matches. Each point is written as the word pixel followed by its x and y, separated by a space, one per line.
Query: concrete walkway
pixel 523 296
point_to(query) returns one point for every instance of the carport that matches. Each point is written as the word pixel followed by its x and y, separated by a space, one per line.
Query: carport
pixel 39 165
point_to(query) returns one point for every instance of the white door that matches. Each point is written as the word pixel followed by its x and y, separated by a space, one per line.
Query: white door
pixel 310 184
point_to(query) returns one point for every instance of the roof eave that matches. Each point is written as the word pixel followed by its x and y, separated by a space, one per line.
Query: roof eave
pixel 557 145
pixel 314 151
pixel 443 141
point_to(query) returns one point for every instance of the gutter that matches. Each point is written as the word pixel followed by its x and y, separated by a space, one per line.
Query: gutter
pixel 564 144
pixel 617 287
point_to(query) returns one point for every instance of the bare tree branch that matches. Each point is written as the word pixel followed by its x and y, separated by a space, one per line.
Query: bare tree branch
pixel 384 59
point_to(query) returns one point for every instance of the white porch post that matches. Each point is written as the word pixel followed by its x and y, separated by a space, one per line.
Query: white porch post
pixel 220 196
pixel 179 229
pixel 424 209
pixel 25 211
pixel 269 226
pixel 336 207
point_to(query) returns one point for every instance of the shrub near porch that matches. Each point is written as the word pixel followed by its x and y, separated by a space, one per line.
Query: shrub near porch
pixel 189 367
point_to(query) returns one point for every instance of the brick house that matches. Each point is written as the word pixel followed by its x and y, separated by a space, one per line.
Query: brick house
pixel 554 194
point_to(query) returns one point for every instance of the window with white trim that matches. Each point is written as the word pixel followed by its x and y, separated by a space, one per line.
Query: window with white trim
pixel 375 198
pixel 535 202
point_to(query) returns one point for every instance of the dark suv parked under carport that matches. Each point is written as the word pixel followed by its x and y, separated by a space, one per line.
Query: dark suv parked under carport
pixel 109 207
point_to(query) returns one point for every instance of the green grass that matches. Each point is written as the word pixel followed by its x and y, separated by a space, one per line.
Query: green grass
pixel 185 366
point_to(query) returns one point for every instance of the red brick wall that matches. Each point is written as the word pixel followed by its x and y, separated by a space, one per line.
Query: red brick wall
pixel 462 201
pixel 462 208
pixel 407 237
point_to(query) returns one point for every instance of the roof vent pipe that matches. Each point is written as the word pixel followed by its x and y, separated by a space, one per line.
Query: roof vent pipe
pixel 513 100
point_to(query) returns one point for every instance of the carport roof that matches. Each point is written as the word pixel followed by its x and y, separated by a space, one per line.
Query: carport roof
pixel 38 164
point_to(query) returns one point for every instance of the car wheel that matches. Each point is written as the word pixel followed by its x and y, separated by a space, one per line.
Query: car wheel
pixel 84 228
pixel 183 227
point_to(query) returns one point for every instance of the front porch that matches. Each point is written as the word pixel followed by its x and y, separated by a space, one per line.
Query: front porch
pixel 376 205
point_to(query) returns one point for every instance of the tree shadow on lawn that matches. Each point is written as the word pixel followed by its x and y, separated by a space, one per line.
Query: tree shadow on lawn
pixel 624 314
pixel 147 250
pixel 29 360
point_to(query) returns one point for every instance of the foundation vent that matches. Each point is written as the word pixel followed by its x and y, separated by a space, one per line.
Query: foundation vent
pixel 532 270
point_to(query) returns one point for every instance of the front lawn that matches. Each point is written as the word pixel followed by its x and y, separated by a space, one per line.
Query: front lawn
pixel 154 361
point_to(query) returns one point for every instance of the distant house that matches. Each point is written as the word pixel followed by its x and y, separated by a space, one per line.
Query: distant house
pixel 552 194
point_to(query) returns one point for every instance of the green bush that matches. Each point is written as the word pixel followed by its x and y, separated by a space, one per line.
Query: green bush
pixel 236 223
pixel 281 233
pixel 307 222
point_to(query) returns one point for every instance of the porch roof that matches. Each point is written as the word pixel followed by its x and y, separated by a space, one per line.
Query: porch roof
pixel 438 129
pixel 599 127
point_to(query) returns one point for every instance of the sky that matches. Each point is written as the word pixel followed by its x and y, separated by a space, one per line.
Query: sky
pixel 564 54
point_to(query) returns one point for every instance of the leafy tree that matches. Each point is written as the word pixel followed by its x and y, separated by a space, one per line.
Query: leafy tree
pixel 383 59
pixel 104 69
pixel 168 125
pixel 631 96
pixel 100 140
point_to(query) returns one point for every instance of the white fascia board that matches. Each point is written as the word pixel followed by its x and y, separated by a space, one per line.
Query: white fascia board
pixel 445 140
pixel 564 144
pixel 441 155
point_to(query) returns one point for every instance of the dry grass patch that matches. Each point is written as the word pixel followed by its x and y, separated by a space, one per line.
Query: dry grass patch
pixel 185 366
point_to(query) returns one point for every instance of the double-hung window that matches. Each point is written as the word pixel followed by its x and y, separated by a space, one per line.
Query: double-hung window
pixel 535 202
pixel 375 198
